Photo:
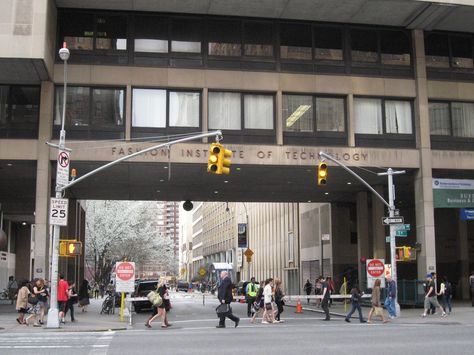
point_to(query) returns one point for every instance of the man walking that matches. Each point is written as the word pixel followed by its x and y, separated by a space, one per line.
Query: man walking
pixel 391 296
pixel 63 296
pixel 326 295
pixel 431 297
pixel 224 294
pixel 250 295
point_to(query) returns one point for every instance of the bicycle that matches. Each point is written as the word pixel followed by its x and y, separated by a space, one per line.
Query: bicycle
pixel 4 295
pixel 108 306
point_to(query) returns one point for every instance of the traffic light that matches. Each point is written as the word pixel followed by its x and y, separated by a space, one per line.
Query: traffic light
pixel 405 253
pixel 218 162
pixel 322 173
pixel 70 248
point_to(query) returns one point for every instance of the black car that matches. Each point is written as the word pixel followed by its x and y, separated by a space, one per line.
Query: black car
pixel 143 288
pixel 182 286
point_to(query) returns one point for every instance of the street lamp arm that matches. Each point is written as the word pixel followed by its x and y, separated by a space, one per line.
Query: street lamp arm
pixel 112 163
pixel 327 156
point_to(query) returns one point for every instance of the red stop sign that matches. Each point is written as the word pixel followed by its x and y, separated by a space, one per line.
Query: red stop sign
pixel 125 271
pixel 375 268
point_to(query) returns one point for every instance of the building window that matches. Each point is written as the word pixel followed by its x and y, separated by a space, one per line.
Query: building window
pixel 97 108
pixel 77 30
pixel 19 111
pixel 303 113
pixel 380 116
pixel 225 38
pixel 186 35
pixel 437 50
pixel 111 33
pixel 184 109
pixel 395 48
pixel 364 47
pixel 149 108
pixel 295 41
pixel 440 121
pixel 258 111
pixel 225 110
pixel 151 34
pixel 328 43
pixel 452 119
pixel 461 49
pixel 258 39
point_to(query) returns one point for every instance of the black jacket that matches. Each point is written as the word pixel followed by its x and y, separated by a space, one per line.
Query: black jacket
pixel 225 290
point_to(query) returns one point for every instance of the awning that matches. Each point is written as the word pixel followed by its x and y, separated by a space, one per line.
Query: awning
pixel 222 266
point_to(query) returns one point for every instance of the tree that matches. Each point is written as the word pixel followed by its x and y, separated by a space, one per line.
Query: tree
pixel 119 230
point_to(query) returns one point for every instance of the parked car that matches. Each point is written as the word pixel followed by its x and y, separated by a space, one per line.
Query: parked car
pixel 182 286
pixel 142 290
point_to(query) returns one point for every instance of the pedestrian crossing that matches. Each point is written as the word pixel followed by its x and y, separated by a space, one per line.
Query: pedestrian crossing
pixel 91 343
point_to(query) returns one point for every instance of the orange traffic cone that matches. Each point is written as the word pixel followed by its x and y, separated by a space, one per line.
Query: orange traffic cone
pixel 299 308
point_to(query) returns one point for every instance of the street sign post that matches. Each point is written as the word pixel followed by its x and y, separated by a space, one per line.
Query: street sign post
pixel 387 221
pixel 325 237
pixel 58 211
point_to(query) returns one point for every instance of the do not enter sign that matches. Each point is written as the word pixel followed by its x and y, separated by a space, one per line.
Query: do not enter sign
pixel 375 270
pixel 125 276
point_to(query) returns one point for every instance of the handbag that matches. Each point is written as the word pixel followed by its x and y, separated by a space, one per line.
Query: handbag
pixel 32 300
pixel 223 310
pixel 155 298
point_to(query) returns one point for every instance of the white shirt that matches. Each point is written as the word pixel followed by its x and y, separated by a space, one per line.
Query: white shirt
pixel 267 294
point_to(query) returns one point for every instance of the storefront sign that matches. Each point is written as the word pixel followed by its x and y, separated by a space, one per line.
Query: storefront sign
pixel 467 214
pixel 450 193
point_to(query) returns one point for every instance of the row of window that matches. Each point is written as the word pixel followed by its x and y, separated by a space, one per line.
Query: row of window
pixel 231 38
pixel 161 111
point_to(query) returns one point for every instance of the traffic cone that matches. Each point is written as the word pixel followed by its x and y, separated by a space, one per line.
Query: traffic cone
pixel 299 308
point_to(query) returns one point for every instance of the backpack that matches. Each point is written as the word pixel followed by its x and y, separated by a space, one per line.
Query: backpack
pixel 447 288
pixel 155 298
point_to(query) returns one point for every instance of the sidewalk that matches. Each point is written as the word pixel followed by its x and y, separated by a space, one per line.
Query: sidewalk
pixel 90 321
pixel 463 313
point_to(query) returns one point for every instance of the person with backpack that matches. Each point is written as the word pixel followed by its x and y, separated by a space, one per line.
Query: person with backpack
pixel 308 287
pixel 446 292
pixel 250 295
pixel 356 298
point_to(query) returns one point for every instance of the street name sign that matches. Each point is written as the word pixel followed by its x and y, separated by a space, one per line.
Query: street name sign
pixel 58 208
pixel 401 233
pixel 386 221
pixel 125 276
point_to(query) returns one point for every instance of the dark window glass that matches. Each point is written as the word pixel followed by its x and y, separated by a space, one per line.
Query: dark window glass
pixel 111 33
pixel 186 35
pixel 461 48
pixel 77 106
pixel 107 107
pixel 258 39
pixel 298 113
pixel 330 114
pixel 19 109
pixel 225 38
pixel 364 46
pixel 440 123
pixel 295 41
pixel 437 50
pixel 77 30
pixel 463 119
pixel 328 43
pixel 151 34
pixel 395 48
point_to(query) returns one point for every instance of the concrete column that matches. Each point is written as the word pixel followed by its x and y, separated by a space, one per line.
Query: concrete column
pixel 279 117
pixel 43 183
pixel 425 228
pixel 362 231
pixel 350 121
pixel 378 211
pixel 205 110
pixel 128 112
pixel 463 254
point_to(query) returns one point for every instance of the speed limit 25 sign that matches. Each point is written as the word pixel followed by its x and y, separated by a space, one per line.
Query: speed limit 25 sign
pixel 58 211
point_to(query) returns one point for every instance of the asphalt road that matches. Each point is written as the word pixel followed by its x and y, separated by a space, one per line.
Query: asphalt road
pixel 194 332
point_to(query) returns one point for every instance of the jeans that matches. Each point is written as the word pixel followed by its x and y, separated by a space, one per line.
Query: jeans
pixel 390 305
pixel 325 307
pixel 447 303
pixel 355 305
pixel 250 301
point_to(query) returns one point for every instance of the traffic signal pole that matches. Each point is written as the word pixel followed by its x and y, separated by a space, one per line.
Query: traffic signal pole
pixel 391 210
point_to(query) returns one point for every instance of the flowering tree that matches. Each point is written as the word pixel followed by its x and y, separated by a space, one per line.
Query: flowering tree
pixel 119 230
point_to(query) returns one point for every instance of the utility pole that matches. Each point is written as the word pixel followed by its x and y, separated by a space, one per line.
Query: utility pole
pixel 393 213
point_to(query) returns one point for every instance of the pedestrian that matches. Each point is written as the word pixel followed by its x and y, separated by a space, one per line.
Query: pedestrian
pixel 224 294
pixel 162 309
pixel 331 287
pixel 250 295
pixel 391 296
pixel 308 287
pixel 471 287
pixel 318 291
pixel 42 293
pixel 446 292
pixel 431 297
pixel 63 296
pixel 326 295
pixel 356 299
pixel 95 290
pixel 268 311
pixel 22 302
pixel 33 306
pixel 12 288
pixel 258 305
pixel 279 300
pixel 72 300
pixel 84 295
pixel 377 308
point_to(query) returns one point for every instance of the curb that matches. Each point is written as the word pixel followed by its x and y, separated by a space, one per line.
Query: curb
pixel 320 311
pixel 84 330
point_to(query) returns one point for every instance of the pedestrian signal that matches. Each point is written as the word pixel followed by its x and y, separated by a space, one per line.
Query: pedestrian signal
pixel 70 248
pixel 219 162
pixel 322 173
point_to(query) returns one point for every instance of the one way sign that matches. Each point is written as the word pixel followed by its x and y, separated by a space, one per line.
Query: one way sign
pixel 392 220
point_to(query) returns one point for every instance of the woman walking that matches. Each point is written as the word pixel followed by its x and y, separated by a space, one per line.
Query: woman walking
pixel 259 304
pixel 279 300
pixel 72 300
pixel 446 291
pixel 163 308
pixel 22 302
pixel 268 315
pixel 377 308
pixel 84 295
pixel 42 293
pixel 356 297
